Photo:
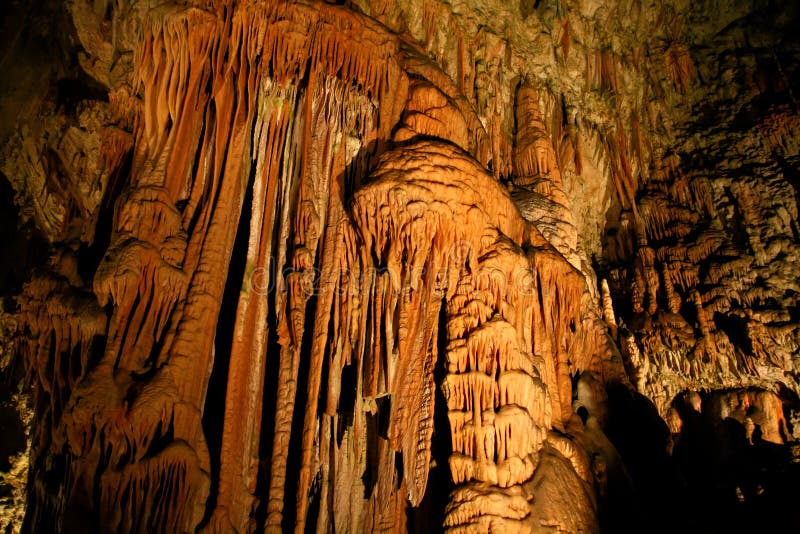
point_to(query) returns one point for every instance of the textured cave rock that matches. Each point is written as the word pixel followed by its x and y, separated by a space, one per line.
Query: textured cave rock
pixel 405 265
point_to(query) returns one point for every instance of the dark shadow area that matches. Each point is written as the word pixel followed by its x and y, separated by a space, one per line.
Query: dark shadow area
pixel 269 406
pixel 214 408
pixel 22 249
pixel 13 433
pixel 714 481
pixel 734 486
pixel 641 438
pixel 91 255
pixel 431 509
pixel 294 457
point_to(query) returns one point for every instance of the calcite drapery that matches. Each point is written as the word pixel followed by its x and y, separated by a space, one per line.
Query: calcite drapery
pixel 451 237
pixel 274 127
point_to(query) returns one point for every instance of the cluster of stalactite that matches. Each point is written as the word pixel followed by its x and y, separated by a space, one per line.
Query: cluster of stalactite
pixel 305 259
pixel 246 183
pixel 757 411
pixel 508 300
pixel 709 304
pixel 700 261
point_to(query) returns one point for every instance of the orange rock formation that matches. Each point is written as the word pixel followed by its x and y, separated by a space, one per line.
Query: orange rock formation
pixel 320 267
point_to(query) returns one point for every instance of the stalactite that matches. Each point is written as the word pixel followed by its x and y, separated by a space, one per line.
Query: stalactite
pixel 538 190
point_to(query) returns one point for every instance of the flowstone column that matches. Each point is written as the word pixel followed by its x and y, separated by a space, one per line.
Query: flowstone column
pixel 448 233
pixel 498 407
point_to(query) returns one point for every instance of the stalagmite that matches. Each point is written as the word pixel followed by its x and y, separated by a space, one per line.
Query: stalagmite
pixel 608 309
pixel 496 428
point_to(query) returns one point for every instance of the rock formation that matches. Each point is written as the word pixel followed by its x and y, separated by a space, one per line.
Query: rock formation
pixel 404 265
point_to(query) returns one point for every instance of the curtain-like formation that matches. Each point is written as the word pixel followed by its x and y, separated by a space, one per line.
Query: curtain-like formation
pixel 252 245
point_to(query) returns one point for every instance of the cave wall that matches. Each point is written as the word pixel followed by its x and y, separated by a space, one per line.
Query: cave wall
pixel 389 266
